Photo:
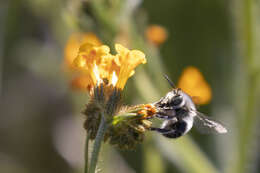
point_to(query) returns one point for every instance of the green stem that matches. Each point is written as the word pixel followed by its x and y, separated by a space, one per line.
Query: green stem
pixel 97 144
pixel 248 124
pixel 103 15
pixel 86 154
pixel 248 121
pixel 248 31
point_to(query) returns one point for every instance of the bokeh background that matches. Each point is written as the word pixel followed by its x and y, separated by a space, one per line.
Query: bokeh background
pixel 41 97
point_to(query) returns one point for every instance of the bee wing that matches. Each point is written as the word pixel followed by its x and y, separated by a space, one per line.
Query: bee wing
pixel 206 125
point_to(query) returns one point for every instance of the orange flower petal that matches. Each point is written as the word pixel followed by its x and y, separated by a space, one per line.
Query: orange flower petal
pixel 156 34
pixel 193 83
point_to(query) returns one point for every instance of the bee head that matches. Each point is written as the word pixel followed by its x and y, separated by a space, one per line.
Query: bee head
pixel 177 100
pixel 173 99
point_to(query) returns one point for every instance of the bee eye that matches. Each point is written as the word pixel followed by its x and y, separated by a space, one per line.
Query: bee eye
pixel 177 101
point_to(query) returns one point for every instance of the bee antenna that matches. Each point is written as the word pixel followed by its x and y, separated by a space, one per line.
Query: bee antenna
pixel 169 80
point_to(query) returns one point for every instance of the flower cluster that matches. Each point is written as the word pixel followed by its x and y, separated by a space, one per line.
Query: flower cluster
pixel 106 76
pixel 101 67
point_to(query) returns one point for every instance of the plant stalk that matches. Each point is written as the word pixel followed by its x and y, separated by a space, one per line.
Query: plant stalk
pixel 86 153
pixel 249 118
pixel 97 144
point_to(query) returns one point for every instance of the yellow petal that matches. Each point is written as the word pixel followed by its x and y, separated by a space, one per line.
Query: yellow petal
pixel 128 61
pixel 73 44
pixel 121 50
pixel 86 48
pixel 137 57
pixel 80 62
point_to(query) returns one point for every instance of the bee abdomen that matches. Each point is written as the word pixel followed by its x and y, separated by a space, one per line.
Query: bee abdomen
pixel 171 129
pixel 174 134
pixel 177 129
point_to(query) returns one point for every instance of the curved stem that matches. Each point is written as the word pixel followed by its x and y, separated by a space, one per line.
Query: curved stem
pixel 97 144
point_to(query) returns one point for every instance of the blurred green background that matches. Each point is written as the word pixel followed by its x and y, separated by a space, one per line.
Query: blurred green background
pixel 41 125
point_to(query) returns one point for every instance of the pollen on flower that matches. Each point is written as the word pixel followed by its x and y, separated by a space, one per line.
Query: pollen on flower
pixel 147 111
pixel 129 125
pixel 193 83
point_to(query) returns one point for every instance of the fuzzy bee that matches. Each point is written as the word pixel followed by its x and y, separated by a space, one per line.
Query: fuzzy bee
pixel 179 113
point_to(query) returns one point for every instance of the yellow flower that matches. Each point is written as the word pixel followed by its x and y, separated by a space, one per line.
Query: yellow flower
pixel 73 44
pixel 106 76
pixel 105 68
pixel 80 82
pixel 193 83
pixel 156 34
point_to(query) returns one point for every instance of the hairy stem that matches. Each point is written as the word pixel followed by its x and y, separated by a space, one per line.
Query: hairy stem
pixel 97 145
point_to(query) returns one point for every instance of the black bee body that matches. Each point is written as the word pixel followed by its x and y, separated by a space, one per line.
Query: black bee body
pixel 172 129
pixel 179 114
pixel 175 109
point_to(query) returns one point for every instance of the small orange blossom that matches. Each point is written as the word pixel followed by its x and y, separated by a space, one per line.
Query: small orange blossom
pixel 193 83
pixel 156 34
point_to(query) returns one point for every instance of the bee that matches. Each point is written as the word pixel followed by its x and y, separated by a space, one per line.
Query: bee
pixel 179 113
